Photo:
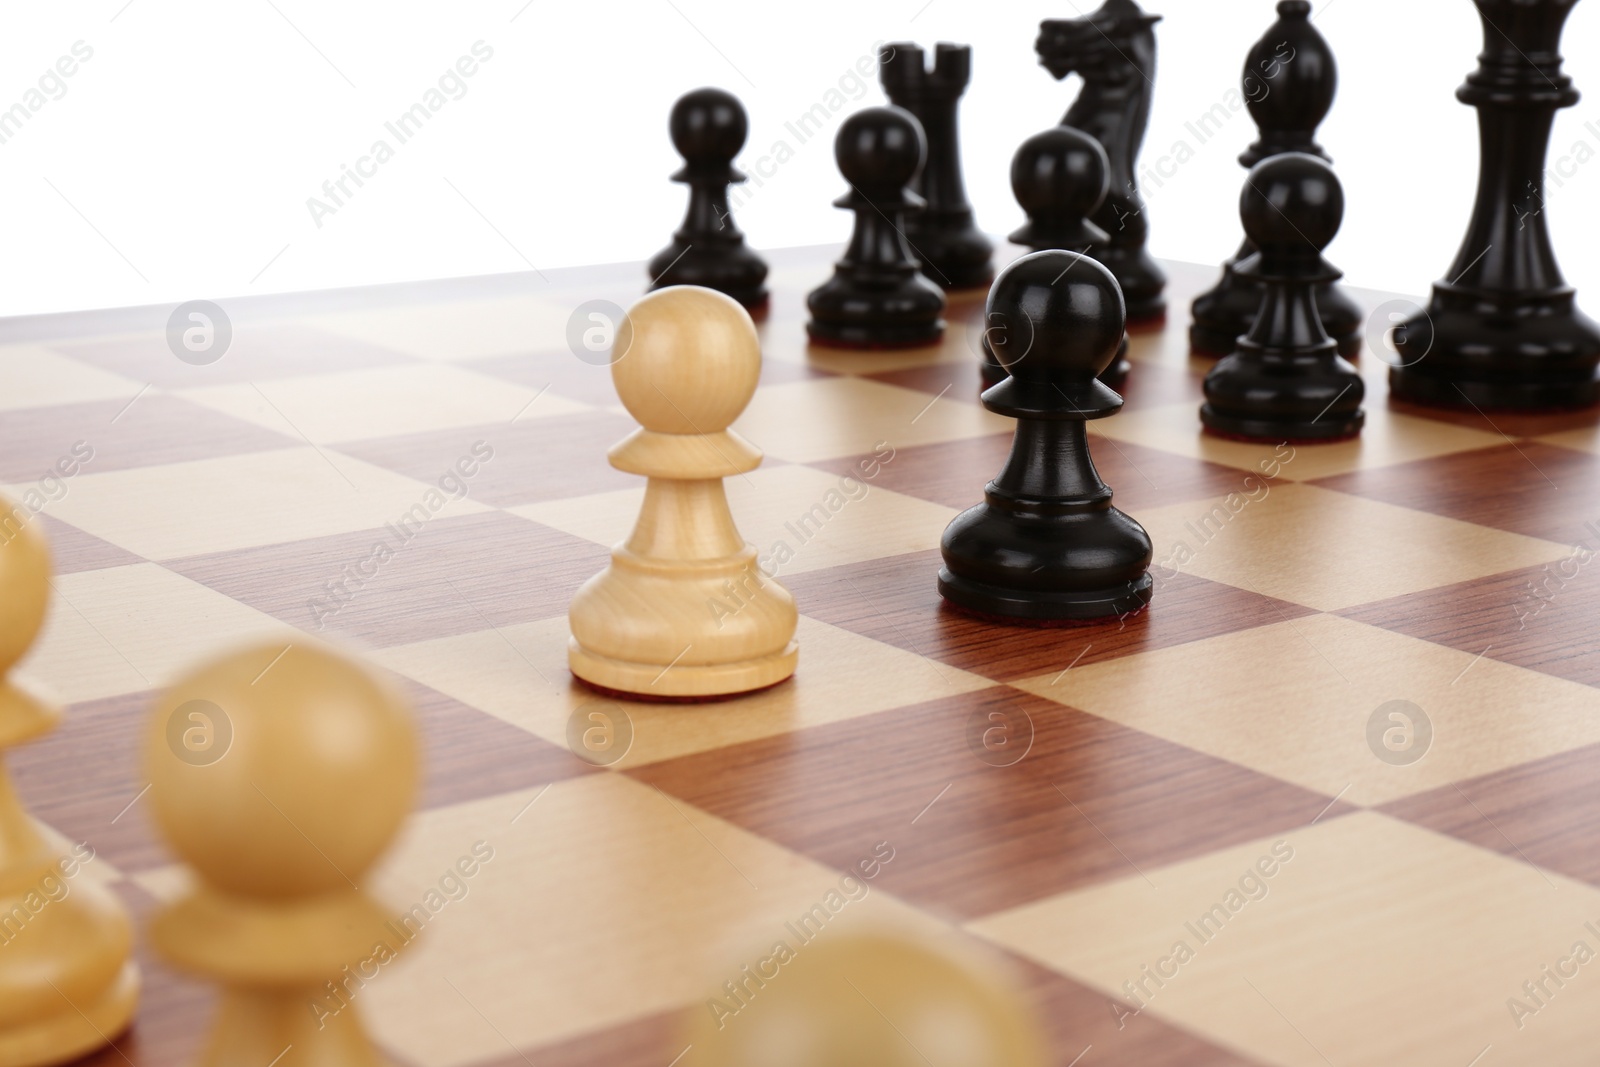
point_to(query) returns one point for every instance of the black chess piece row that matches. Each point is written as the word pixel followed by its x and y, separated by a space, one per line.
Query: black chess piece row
pixel 912 213
pixel 1502 332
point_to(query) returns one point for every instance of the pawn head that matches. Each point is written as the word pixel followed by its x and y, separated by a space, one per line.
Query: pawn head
pixel 24 582
pixel 876 1000
pixel 1055 317
pixel 1061 173
pixel 708 124
pixel 880 148
pixel 280 772
pixel 689 362
pixel 1292 203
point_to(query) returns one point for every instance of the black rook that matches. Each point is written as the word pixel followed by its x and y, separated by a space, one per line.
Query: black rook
pixel 954 252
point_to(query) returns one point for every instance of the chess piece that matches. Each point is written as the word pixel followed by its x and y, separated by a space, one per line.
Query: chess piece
pixel 1503 331
pixel 878 297
pixel 1286 380
pixel 1289 83
pixel 684 609
pixel 708 128
pixel 873 999
pixel 67 974
pixel 1046 544
pixel 1060 177
pixel 307 768
pixel 1114 49
pixel 954 252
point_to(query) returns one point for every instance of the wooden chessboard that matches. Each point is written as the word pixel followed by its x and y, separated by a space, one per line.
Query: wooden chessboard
pixel 1075 801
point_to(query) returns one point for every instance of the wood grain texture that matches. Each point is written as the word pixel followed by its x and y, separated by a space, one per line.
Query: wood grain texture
pixel 861 746
pixel 1085 799
pixel 895 601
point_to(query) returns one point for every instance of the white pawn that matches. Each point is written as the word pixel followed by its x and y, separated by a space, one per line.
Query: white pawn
pixel 684 610
pixel 875 998
pixel 68 983
pixel 305 766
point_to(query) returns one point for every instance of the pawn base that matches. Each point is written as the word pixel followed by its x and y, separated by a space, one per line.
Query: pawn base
pixel 864 337
pixel 1141 278
pixel 876 307
pixel 77 1030
pixel 1146 315
pixel 659 681
pixel 730 268
pixel 955 254
pixel 1043 606
pixel 1264 431
pixel 1154 322
pixel 955 277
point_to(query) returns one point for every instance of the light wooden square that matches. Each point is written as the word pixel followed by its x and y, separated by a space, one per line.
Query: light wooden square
pixel 1586 439
pixel 381 402
pixel 1296 699
pixel 33 376
pixel 1329 550
pixel 809 518
pixel 1377 942
pixel 831 417
pixel 1387 439
pixel 519 674
pixel 127 629
pixel 458 330
pixel 605 900
pixel 259 498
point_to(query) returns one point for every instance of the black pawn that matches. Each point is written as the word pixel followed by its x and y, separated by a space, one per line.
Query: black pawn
pixel 877 297
pixel 1046 544
pixel 1289 83
pixel 1504 331
pixel 954 252
pixel 1286 380
pixel 708 128
pixel 1060 177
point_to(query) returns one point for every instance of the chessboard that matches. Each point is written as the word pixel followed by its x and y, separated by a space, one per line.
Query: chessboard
pixel 1329 800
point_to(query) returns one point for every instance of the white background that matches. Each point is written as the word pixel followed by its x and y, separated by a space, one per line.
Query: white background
pixel 179 161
